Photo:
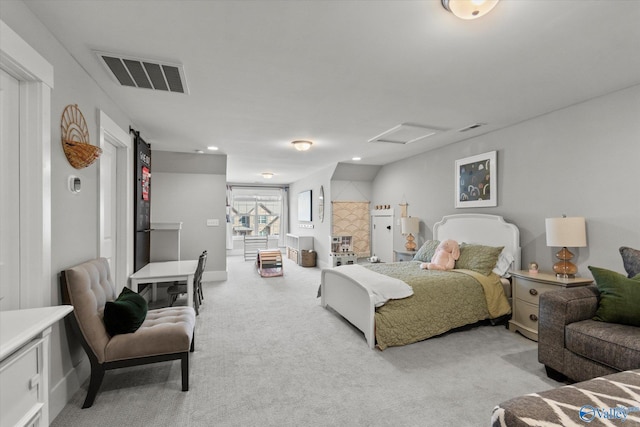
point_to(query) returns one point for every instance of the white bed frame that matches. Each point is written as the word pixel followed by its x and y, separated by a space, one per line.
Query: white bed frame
pixel 353 302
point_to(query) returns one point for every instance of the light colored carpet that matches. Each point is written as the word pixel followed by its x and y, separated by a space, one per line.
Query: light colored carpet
pixel 267 354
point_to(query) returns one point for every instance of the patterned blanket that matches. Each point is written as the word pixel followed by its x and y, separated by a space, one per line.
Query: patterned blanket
pixel 613 400
pixel 442 300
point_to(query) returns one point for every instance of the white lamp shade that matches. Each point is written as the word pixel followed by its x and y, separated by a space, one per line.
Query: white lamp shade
pixel 566 232
pixel 410 225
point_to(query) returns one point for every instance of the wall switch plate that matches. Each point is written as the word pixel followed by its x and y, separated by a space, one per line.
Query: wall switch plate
pixel 213 222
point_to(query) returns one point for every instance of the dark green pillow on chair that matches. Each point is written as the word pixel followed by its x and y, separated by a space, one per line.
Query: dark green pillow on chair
pixel 126 313
pixel 619 297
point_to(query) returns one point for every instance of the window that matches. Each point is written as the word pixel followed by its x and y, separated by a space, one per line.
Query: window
pixel 256 211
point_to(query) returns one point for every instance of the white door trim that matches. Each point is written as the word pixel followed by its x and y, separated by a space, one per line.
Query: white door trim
pixel 36 82
pixel 111 133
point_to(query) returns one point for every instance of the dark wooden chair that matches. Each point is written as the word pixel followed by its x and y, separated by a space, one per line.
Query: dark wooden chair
pixel 177 289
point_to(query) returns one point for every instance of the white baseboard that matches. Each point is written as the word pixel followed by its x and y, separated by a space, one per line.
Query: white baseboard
pixel 61 393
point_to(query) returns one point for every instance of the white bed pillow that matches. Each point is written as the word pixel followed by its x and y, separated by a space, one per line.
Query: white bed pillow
pixel 504 262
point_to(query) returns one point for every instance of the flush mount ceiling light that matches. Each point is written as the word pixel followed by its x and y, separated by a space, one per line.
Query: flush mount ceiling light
pixel 267 175
pixel 469 9
pixel 302 145
pixel 212 148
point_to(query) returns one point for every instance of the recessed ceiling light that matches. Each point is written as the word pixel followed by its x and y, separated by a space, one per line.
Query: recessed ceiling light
pixel 199 151
pixel 302 145
pixel 212 148
pixel 356 159
pixel 267 175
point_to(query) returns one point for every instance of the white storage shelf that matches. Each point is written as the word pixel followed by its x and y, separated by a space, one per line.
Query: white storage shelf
pixel 297 244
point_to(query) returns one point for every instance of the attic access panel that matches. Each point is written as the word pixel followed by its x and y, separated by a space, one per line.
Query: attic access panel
pixel 405 133
pixel 144 73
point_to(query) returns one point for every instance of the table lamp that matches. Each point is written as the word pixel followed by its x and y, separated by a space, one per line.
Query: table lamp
pixel 566 232
pixel 410 225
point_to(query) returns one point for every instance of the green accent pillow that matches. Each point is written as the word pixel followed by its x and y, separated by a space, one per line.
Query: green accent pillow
pixel 619 297
pixel 478 258
pixel 126 313
pixel 426 251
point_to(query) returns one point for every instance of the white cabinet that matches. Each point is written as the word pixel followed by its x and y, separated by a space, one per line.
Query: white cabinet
pixel 526 289
pixel 24 364
pixel 399 256
pixel 21 386
pixel 165 241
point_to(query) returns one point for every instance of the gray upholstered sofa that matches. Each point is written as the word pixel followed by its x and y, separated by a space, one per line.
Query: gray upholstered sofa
pixel 572 345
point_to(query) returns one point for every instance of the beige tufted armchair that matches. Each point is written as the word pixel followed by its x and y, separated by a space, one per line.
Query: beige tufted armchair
pixel 166 333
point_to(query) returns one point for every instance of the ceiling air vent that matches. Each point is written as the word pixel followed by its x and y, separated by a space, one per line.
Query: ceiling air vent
pixel 470 127
pixel 405 133
pixel 143 73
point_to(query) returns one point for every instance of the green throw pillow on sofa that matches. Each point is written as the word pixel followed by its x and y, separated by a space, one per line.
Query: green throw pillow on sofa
pixel 126 313
pixel 619 297
pixel 478 258
pixel 426 251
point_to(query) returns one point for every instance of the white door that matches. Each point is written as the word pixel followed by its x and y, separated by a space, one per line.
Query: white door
pixel 9 192
pixel 108 205
pixel 382 237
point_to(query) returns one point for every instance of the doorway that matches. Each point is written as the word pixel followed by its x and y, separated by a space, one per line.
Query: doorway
pixel 35 77
pixel 9 192
pixel 116 236
pixel 382 236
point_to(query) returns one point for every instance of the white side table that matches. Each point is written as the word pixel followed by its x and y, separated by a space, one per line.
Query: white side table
pixel 399 256
pixel 527 289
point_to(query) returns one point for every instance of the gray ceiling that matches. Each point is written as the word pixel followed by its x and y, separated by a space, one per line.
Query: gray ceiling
pixel 263 73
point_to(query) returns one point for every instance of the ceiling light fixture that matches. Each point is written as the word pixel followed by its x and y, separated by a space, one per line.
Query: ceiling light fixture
pixel 267 175
pixel 212 148
pixel 469 9
pixel 356 159
pixel 302 145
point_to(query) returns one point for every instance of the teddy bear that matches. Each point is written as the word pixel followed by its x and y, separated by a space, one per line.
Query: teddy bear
pixel 447 252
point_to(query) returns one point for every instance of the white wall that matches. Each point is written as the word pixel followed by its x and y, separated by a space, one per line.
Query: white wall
pixel 74 217
pixel 321 230
pixel 191 188
pixel 579 161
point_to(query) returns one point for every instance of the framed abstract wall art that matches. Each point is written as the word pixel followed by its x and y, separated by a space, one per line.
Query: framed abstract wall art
pixel 476 181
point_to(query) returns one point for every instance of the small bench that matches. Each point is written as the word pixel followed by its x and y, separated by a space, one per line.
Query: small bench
pixel 602 401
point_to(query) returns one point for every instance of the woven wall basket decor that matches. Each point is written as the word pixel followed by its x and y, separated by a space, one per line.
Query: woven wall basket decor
pixel 75 138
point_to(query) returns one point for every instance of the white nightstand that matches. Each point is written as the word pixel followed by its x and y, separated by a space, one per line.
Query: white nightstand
pixel 403 255
pixel 527 288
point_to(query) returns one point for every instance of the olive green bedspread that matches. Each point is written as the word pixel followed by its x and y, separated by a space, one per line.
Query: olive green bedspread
pixel 442 300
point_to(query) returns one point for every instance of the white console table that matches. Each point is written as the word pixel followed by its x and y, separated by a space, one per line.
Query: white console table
pixel 24 364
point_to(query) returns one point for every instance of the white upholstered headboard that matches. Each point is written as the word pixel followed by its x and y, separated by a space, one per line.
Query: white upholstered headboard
pixel 490 230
